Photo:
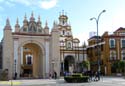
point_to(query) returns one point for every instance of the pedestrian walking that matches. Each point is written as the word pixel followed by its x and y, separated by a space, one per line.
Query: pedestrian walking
pixel 50 76
pixel 55 75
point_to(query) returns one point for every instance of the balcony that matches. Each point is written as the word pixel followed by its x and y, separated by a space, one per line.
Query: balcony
pixel 26 66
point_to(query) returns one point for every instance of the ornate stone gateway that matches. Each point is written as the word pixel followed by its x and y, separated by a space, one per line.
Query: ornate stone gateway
pixel 30 50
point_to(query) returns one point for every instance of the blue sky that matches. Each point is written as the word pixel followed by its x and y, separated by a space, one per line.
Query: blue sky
pixel 78 11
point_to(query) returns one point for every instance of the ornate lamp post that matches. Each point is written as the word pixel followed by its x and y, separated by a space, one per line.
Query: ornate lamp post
pixel 97 22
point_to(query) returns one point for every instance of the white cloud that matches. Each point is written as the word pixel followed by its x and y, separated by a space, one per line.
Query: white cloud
pixel 25 2
pixel 48 4
pixel 7 2
pixel 45 4
pixel 10 4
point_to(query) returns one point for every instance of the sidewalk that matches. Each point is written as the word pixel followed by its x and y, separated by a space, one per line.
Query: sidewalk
pixel 27 82
pixel 104 81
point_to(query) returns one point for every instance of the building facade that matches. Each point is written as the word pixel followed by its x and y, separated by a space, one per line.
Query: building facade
pixel 71 53
pixel 30 49
pixel 36 51
pixel 110 49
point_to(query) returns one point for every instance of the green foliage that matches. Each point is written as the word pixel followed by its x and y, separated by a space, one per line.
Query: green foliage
pixel 77 75
pixel 119 65
pixel 85 64
pixel 122 64
pixel 4 75
pixel 76 78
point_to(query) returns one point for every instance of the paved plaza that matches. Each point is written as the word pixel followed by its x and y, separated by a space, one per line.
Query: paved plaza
pixel 105 81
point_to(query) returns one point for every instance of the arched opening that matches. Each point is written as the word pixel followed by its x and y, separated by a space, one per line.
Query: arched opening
pixel 31 61
pixel 69 64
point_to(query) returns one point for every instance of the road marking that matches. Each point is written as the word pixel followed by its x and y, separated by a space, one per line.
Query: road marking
pixel 9 83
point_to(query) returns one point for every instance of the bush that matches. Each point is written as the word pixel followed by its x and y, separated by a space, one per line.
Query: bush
pixel 4 75
pixel 76 78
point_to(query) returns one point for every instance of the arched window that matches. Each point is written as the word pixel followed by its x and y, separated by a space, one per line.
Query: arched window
pixel 29 59
pixel 63 22
pixel 122 43
pixel 123 54
pixel 112 43
pixel 69 45
pixel 113 55
pixel 24 29
pixel 63 32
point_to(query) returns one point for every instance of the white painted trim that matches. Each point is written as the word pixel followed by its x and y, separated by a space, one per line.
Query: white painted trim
pixel 121 41
pixel 118 51
pixel 122 54
pixel 101 43
pixel 110 42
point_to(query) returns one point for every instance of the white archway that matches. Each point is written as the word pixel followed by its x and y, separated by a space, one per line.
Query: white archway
pixel 38 68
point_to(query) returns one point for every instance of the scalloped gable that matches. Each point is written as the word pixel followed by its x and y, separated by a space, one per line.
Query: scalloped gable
pixel 120 29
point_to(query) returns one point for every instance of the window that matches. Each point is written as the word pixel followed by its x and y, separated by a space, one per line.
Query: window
pixel 24 29
pixel 123 54
pixel 63 32
pixel 39 30
pixel 112 43
pixel 113 55
pixel 122 43
pixel 63 22
pixel 29 59
pixel 122 34
pixel 68 33
pixel 68 45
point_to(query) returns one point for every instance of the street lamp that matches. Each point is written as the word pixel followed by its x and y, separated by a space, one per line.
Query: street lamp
pixel 97 21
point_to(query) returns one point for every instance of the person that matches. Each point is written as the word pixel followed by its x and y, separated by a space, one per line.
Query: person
pixel 65 73
pixel 90 75
pixel 50 76
pixel 98 75
pixel 55 75
pixel 15 75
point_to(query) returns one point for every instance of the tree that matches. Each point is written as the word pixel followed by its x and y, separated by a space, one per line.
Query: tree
pixel 4 75
pixel 119 66
pixel 122 66
pixel 86 64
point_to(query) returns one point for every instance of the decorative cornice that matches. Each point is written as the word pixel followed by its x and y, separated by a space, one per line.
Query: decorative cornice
pixel 30 34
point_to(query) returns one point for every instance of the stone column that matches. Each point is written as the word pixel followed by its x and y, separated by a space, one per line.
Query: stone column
pixel 43 67
pixel 34 65
pixel 55 49
pixel 20 61
pixel 47 58
pixel 16 57
pixel 21 55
